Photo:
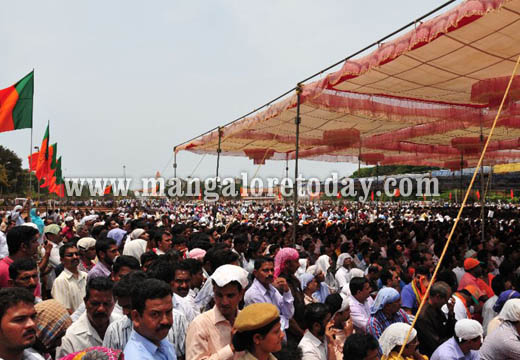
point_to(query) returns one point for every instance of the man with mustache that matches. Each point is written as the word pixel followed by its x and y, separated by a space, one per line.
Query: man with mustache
pixel 23 273
pixel 265 289
pixel 17 326
pixel 69 287
pixel 152 318
pixel 91 326
pixel 106 251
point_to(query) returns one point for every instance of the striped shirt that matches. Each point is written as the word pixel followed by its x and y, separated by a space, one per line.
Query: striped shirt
pixel 378 322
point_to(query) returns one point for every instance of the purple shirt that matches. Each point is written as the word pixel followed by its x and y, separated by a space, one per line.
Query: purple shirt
pixel 99 270
pixel 257 293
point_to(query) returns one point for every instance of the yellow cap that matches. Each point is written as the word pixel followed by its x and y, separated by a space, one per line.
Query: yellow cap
pixel 256 316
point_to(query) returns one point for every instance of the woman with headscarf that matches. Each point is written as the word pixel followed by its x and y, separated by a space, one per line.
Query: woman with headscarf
pixel 393 339
pixel 138 244
pixel 285 265
pixel 35 219
pixel 322 290
pixel 504 342
pixel 502 299
pixel 309 286
pixel 324 263
pixel 52 320
pixel 386 310
pixel 343 266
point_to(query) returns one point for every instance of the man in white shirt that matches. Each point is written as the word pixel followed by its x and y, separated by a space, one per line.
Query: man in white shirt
pixel 69 287
pixel 317 343
pixel 89 330
pixel 360 303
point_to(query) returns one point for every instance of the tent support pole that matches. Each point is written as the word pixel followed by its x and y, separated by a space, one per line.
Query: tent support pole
pixel 461 166
pixel 219 150
pixel 482 212
pixel 297 121
pixel 287 165
pixel 175 162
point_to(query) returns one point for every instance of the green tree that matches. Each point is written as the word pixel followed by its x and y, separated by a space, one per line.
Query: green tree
pixel 392 170
pixel 13 168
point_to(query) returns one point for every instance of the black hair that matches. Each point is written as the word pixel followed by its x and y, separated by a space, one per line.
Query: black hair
pixel 289 351
pixel 261 260
pixel 147 256
pixel 244 340
pixel 357 284
pixel 97 231
pixel 149 289
pixel 315 313
pixel 178 240
pixel 385 276
pixel 124 287
pixel 334 302
pixel 240 239
pixel 10 297
pixel 99 283
pixel 220 257
pixel 64 247
pixel 17 266
pixel 181 266
pixel 357 346
pixel 19 235
pixel 102 245
pixel 125 260
pixel 497 284
pixel 449 278
pixel 195 265
pixel 161 269
pixel 157 236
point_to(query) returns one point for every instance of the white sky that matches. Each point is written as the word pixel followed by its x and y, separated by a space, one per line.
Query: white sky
pixel 122 82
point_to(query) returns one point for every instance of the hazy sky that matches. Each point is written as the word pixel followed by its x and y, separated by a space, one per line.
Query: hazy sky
pixel 123 82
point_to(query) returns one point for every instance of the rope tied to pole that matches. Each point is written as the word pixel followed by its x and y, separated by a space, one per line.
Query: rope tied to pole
pixel 463 204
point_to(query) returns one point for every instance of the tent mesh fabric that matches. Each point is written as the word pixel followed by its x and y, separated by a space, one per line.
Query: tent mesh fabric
pixel 415 100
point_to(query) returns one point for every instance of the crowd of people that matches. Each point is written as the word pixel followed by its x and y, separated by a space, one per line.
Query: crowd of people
pixel 235 280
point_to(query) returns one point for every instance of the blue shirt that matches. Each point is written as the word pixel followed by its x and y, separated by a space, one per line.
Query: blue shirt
pixel 140 348
pixel 450 350
pixel 408 298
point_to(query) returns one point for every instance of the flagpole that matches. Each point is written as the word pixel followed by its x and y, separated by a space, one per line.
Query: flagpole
pixel 30 171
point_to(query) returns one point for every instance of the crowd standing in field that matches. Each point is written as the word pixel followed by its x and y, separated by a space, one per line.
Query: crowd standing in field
pixel 178 280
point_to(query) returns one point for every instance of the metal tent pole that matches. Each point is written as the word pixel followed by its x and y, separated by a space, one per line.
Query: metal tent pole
pixel 461 166
pixel 297 121
pixel 175 162
pixel 219 150
pixel 482 213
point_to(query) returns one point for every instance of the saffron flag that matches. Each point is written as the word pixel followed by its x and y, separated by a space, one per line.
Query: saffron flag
pixel 16 105
pixel 372 196
pixel 108 190
pixel 57 185
pixel 49 172
pixel 478 195
pixel 43 158
pixel 397 193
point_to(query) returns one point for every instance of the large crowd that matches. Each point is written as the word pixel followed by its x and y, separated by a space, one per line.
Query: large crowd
pixel 241 280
